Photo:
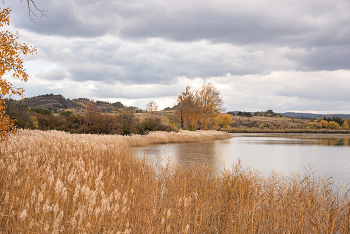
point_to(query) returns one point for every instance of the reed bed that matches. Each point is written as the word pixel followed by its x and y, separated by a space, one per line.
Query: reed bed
pixel 53 182
pixel 183 136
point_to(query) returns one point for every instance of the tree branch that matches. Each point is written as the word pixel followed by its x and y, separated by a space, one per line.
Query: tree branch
pixel 32 9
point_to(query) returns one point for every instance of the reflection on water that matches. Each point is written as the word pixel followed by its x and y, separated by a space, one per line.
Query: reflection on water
pixel 284 141
pixel 327 156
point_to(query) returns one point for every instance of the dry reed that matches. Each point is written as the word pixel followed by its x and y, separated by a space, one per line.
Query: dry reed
pixel 53 182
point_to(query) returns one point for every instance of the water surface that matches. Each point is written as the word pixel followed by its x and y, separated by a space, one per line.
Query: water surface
pixel 283 153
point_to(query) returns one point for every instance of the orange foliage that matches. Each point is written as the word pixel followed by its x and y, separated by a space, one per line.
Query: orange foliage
pixel 223 120
pixel 196 108
pixel 10 61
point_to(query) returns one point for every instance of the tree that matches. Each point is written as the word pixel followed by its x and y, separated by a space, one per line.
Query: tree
pixel 10 60
pixel 333 125
pixel 196 108
pixel 209 104
pixel 185 107
pixel 126 119
pixel 31 4
pixel 92 119
pixel 32 8
pixel 223 120
pixel 152 107
pixel 346 124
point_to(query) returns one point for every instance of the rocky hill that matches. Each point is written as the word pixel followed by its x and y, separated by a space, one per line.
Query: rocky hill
pixel 57 103
pixel 50 102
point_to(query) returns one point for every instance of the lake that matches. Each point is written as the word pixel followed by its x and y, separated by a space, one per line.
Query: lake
pixel 327 154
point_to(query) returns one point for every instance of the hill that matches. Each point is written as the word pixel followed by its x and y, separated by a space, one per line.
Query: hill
pixel 292 114
pixel 57 104
pixel 314 116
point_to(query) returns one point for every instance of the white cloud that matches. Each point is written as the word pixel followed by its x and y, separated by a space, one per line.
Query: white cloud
pixel 281 91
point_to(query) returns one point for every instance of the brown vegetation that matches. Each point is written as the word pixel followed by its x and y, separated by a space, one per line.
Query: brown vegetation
pixel 11 51
pixel 54 182
pixel 196 108
pixel 254 122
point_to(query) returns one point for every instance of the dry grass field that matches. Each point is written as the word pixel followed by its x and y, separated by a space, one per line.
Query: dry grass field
pixel 54 182
pixel 276 122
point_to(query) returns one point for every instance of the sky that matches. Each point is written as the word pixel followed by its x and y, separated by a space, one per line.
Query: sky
pixel 284 55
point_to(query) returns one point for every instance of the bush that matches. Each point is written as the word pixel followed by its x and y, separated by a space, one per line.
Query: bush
pixel 66 113
pixel 333 125
pixel 41 111
pixel 154 124
pixel 244 114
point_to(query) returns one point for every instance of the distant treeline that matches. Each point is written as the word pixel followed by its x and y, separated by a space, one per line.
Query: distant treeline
pixel 269 113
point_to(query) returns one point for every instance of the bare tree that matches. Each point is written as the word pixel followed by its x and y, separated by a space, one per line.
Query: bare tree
pixel 152 107
pixel 33 9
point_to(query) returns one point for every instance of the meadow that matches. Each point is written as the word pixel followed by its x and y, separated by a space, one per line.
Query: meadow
pixel 55 182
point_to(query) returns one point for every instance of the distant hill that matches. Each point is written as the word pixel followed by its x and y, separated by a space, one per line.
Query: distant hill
pixel 314 116
pixel 57 103
pixel 51 102
pixel 301 115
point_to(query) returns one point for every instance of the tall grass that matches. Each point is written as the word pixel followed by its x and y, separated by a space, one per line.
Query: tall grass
pixel 53 182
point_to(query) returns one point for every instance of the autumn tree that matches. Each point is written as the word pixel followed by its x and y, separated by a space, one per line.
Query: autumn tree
pixel 333 125
pixel 126 119
pixel 185 108
pixel 346 124
pixel 208 103
pixel 11 61
pixel 196 108
pixel 223 120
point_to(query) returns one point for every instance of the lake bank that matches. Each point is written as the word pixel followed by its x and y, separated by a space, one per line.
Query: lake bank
pixel 307 131
pixel 183 136
pixel 295 135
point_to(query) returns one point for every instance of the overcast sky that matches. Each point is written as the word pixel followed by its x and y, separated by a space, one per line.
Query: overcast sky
pixel 285 55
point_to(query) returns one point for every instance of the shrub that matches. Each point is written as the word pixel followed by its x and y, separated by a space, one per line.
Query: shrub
pixel 333 125
pixel 66 113
pixel 41 111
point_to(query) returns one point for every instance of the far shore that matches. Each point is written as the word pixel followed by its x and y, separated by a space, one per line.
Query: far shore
pixel 288 131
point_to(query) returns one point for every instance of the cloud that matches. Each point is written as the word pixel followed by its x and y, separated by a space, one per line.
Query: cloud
pixel 287 91
pixel 278 54
pixel 280 90
pixel 53 74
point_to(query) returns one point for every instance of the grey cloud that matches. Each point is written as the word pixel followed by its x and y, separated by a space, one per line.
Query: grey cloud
pixel 319 28
pixel 324 58
pixel 151 61
pixel 132 42
pixel 53 74
pixel 285 22
pixel 64 18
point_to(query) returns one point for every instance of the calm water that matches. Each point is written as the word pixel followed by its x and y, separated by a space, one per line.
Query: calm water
pixel 283 154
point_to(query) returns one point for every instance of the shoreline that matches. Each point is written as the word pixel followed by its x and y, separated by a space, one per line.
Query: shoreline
pixel 307 131
pixel 183 136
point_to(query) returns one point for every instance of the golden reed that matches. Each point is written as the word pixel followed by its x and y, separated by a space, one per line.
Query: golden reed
pixel 54 182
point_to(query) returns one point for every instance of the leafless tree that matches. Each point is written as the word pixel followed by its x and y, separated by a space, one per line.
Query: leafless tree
pixel 33 9
pixel 152 107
